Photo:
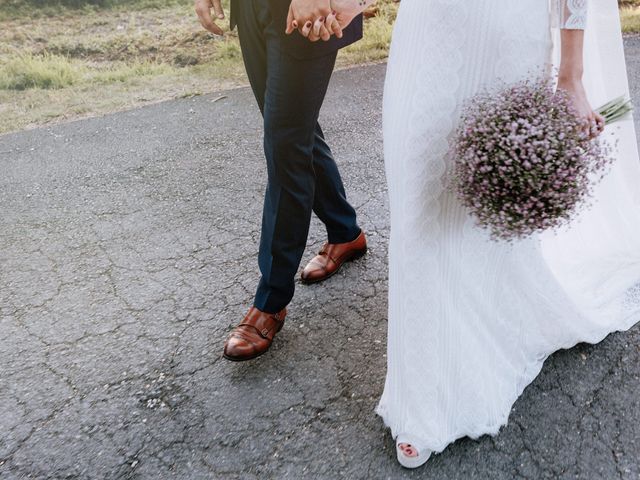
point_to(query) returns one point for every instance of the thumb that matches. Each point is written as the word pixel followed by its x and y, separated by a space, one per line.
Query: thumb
pixel 217 8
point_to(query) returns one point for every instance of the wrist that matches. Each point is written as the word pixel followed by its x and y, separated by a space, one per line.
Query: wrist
pixel 573 86
pixel 572 76
pixel 570 71
pixel 353 7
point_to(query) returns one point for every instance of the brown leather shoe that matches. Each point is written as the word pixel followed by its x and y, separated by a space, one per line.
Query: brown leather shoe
pixel 331 258
pixel 254 335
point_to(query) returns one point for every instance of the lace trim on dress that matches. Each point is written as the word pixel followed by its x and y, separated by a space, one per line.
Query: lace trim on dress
pixel 425 190
pixel 571 14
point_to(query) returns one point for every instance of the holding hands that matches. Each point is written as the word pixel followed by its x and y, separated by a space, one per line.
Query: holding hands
pixel 321 19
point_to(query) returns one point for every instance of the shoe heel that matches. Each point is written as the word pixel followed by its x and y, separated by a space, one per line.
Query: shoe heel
pixel 358 255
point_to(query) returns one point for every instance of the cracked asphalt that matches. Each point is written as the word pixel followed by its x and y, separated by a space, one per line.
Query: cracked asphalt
pixel 128 249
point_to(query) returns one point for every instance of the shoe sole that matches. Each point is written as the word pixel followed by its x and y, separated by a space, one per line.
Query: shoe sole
pixel 356 256
pixel 246 359
pixel 412 462
pixel 243 359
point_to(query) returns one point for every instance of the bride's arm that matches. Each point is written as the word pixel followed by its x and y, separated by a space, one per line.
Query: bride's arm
pixel 573 19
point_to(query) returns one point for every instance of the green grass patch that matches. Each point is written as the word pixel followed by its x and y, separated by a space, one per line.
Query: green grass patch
pixel 49 71
pixel 630 17
pixel 377 37
pixel 13 9
pixel 22 71
pixel 125 72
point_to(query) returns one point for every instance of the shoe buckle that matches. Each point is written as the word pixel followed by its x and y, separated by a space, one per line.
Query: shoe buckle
pixel 265 332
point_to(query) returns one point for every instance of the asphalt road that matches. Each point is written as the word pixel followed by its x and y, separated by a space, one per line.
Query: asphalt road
pixel 127 251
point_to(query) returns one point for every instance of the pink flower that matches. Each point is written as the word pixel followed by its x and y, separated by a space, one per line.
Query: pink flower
pixel 523 163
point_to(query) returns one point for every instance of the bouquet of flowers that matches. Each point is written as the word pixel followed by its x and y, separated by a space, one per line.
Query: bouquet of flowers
pixel 523 160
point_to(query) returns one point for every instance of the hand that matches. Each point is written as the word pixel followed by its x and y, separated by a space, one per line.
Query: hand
pixel 308 17
pixel 338 21
pixel 321 28
pixel 594 122
pixel 343 13
pixel 203 9
pixel 318 30
pixel 347 10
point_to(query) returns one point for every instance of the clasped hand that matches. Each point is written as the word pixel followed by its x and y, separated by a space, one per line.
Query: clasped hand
pixel 321 19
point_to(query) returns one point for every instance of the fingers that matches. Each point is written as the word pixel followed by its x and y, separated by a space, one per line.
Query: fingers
pixel 601 122
pixel 317 26
pixel 319 30
pixel 324 34
pixel 595 124
pixel 292 23
pixel 315 31
pixel 203 10
pixel 333 25
pixel 588 125
pixel 303 11
pixel 306 29
pixel 217 8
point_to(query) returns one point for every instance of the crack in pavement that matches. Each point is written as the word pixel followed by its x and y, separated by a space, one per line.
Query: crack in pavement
pixel 127 256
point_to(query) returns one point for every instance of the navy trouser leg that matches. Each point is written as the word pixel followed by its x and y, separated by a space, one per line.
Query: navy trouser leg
pixel 330 202
pixel 302 174
pixel 295 92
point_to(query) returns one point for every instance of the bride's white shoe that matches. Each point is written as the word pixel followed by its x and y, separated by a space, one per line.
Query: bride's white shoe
pixel 410 453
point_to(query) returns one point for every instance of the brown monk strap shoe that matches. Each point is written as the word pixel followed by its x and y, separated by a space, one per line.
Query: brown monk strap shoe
pixel 254 335
pixel 332 257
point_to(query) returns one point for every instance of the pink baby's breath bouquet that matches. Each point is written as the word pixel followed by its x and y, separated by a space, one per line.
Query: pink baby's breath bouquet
pixel 523 161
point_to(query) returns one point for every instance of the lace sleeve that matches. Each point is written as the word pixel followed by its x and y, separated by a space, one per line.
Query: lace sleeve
pixel 572 14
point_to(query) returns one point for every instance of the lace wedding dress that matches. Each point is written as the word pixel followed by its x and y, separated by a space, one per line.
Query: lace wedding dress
pixel 471 321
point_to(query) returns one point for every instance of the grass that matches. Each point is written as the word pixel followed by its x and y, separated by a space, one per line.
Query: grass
pixel 375 43
pixel 36 9
pixel 630 16
pixel 22 71
pixel 90 61
pixel 61 59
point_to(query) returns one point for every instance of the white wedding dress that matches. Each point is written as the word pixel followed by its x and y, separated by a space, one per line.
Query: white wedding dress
pixel 471 321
